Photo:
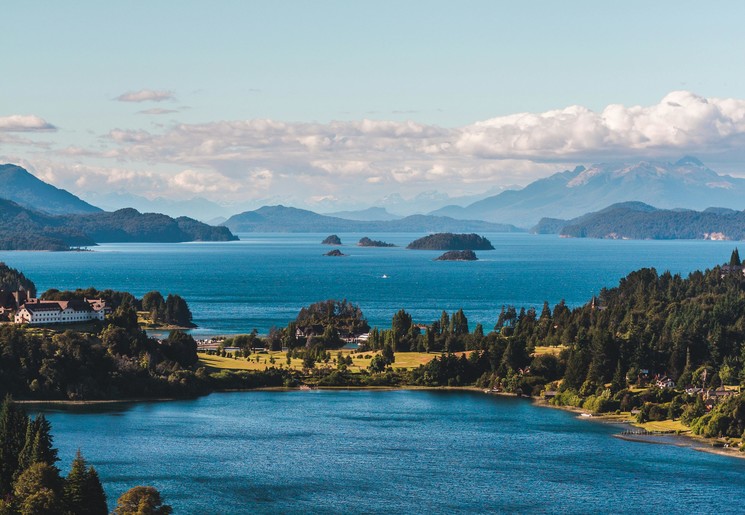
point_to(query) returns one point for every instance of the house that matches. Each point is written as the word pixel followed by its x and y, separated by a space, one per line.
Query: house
pixel 665 382
pixel 41 312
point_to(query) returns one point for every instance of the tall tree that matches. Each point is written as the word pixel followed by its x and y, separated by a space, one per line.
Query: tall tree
pixel 83 493
pixel 38 446
pixel 13 426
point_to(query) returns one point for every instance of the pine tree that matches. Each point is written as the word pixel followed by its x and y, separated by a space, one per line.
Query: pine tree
pixel 96 498
pixel 83 493
pixel 13 428
pixel 734 260
pixel 618 382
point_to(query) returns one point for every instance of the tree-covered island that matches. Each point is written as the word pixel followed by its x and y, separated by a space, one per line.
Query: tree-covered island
pixel 450 241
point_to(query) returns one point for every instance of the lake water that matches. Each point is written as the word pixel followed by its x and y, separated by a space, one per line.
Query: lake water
pixel 265 279
pixel 388 452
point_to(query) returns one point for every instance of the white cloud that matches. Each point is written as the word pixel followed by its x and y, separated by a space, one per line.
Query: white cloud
pixel 25 123
pixel 158 111
pixel 680 122
pixel 356 161
pixel 146 95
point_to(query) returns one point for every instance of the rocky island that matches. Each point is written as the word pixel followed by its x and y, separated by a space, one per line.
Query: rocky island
pixel 367 242
pixel 450 241
pixel 335 253
pixel 458 255
pixel 332 240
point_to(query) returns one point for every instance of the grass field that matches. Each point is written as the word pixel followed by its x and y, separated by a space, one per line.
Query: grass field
pixel 261 361
pixel 664 425
pixel 540 351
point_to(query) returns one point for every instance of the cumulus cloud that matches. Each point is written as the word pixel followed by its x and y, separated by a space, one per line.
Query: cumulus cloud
pixel 146 95
pixel 682 121
pixel 25 123
pixel 360 160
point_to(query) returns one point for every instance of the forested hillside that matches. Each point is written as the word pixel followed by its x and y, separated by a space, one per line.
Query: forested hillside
pixel 24 229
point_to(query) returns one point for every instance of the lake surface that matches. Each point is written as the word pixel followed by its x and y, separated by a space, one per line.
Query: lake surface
pixel 264 280
pixel 388 452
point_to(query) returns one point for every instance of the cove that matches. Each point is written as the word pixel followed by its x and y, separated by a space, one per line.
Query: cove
pixel 399 451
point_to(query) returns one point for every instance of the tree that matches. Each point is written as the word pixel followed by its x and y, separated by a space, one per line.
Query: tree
pixel 13 425
pixel 38 490
pixel 459 323
pixel 83 493
pixel 141 500
pixel 38 445
pixel 181 348
pixel 177 311
pixel 153 303
pixel 734 259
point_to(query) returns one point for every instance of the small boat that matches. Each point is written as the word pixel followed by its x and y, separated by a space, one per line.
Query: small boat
pixel 384 277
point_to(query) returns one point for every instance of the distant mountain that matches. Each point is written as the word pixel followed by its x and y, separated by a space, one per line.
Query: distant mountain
pixel 289 219
pixel 367 215
pixel 198 208
pixel 25 229
pixel 638 221
pixel 23 188
pixel 688 183
pixel 428 201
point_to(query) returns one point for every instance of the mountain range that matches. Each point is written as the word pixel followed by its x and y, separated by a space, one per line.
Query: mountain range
pixel 25 189
pixel 639 221
pixel 289 219
pixel 687 183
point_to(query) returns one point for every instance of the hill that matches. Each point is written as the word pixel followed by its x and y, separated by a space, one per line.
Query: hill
pixel 23 188
pixel 289 219
pixel 25 229
pixel 686 183
pixel 635 220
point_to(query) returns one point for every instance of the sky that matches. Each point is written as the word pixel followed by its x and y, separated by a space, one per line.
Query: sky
pixel 338 104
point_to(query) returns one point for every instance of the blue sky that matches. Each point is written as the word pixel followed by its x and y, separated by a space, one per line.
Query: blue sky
pixel 251 101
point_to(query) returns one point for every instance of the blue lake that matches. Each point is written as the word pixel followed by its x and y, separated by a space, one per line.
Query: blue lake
pixel 388 452
pixel 265 279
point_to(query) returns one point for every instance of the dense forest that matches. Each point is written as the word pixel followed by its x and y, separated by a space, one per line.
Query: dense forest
pixel 450 241
pixel 24 229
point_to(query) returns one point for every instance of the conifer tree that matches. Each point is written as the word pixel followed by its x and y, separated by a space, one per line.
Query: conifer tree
pixel 13 426
pixel 83 492
pixel 734 260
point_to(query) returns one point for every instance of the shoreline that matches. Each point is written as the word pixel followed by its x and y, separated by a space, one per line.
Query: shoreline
pixel 679 439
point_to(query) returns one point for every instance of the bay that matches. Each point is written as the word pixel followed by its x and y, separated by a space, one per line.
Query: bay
pixel 264 279
pixel 387 452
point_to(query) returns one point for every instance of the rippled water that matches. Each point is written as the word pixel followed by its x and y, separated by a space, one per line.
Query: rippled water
pixel 388 452
pixel 265 279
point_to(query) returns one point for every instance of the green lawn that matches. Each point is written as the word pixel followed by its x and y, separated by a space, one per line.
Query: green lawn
pixel 406 360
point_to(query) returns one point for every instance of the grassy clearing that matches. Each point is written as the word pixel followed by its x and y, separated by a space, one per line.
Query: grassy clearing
pixel 261 361
pixel 664 425
pixel 540 351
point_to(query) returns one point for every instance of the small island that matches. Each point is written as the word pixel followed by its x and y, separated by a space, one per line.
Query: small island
pixel 458 255
pixel 367 242
pixel 332 240
pixel 450 241
pixel 335 253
